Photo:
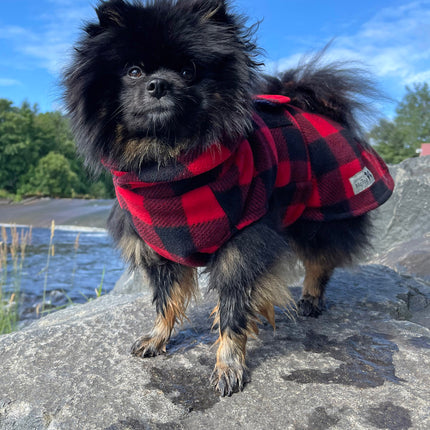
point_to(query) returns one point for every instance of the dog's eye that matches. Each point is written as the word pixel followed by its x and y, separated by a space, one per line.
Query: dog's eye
pixel 188 72
pixel 135 72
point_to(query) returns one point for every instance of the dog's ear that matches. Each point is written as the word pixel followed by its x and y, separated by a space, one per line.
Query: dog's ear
pixel 111 13
pixel 215 10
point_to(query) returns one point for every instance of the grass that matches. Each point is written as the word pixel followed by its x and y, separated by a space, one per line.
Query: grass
pixel 11 252
pixel 51 251
pixel 99 289
pixel 12 257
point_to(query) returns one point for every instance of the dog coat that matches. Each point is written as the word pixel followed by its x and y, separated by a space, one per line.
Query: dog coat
pixel 295 164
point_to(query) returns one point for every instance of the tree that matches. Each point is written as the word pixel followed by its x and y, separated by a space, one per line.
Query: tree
pixel 51 177
pixel 31 141
pixel 399 139
pixel 18 150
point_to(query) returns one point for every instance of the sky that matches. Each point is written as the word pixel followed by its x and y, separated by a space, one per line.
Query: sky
pixel 391 38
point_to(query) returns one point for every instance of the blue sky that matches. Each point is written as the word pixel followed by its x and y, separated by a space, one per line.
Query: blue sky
pixel 391 37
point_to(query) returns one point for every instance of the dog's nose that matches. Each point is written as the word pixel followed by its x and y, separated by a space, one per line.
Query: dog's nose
pixel 157 87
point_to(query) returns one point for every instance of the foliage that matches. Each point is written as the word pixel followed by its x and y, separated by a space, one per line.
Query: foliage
pixel 52 176
pixel 12 252
pixel 400 138
pixel 37 156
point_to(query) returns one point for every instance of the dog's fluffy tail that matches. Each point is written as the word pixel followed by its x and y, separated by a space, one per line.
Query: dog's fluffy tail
pixel 340 90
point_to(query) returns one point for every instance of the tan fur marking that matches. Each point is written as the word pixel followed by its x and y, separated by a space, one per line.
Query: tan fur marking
pixel 180 296
pixel 211 13
pixel 136 151
pixel 173 312
pixel 231 351
pixel 132 247
pixel 215 315
pixel 229 343
pixel 272 290
pixel 230 368
pixel 230 259
pixel 120 130
pixel 315 271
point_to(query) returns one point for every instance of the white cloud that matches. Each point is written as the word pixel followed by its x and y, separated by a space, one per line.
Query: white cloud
pixel 6 82
pixel 14 32
pixel 49 45
pixel 395 43
pixel 419 77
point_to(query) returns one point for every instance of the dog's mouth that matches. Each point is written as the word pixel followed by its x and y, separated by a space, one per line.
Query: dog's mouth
pixel 152 113
pixel 172 116
pixel 153 117
pixel 154 106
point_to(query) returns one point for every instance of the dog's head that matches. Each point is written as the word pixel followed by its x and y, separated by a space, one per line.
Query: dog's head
pixel 150 81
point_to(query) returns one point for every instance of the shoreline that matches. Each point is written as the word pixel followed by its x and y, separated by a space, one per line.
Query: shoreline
pixel 60 227
pixel 66 213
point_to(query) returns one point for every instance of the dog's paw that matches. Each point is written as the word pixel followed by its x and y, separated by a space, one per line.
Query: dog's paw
pixel 227 380
pixel 310 307
pixel 148 346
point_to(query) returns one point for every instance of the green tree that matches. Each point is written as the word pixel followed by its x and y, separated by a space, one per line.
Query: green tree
pixel 52 176
pixel 18 143
pixel 399 139
pixel 27 137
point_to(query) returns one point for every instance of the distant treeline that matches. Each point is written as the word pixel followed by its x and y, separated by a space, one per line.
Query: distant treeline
pixel 38 158
pixel 37 153
pixel 401 137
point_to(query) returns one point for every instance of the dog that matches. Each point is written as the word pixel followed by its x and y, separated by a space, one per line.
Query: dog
pixel 217 165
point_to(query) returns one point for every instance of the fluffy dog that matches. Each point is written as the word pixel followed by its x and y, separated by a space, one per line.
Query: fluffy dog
pixel 215 165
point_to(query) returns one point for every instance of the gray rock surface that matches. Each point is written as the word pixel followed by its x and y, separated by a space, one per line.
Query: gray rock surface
pixel 364 364
pixel 402 224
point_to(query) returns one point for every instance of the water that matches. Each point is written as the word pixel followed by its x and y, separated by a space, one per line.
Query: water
pixel 83 259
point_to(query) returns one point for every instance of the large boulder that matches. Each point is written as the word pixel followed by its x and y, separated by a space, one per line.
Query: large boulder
pixel 364 364
pixel 402 224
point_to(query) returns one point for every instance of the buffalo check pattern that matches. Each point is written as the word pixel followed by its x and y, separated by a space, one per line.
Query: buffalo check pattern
pixel 294 164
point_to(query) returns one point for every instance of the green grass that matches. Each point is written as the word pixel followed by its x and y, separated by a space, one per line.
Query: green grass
pixel 99 289
pixel 12 252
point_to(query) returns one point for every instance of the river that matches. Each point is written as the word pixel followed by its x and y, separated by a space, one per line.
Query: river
pixel 82 259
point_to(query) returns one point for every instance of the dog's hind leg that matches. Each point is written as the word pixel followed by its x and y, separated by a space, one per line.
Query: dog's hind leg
pixel 323 246
pixel 317 275
pixel 246 274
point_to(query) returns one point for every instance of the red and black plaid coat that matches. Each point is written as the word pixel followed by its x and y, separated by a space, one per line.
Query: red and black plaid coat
pixel 302 164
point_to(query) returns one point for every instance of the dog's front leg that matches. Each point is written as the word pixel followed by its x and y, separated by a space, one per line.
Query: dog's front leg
pixel 173 286
pixel 244 272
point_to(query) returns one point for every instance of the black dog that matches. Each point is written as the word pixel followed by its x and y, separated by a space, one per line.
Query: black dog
pixel 217 166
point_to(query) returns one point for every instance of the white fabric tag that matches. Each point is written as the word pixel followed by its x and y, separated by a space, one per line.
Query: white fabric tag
pixel 362 180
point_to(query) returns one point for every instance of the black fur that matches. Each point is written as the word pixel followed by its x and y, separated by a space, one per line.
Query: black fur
pixel 340 90
pixel 339 241
pixel 149 82
pixel 163 39
pixel 255 250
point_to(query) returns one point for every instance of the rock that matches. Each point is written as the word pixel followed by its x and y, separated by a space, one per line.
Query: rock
pixel 131 282
pixel 364 364
pixel 402 224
